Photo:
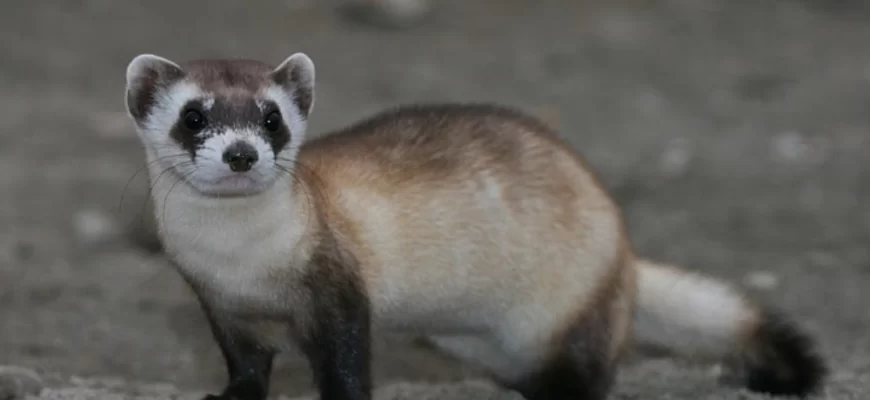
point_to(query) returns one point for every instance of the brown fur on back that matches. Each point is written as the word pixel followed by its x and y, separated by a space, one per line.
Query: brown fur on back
pixel 425 144
pixel 412 155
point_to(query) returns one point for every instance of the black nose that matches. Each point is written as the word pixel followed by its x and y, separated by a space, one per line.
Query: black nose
pixel 240 156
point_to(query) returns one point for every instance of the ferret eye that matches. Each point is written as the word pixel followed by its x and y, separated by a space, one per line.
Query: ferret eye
pixel 273 121
pixel 194 120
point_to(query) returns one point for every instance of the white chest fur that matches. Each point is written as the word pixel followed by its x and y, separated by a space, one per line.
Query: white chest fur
pixel 239 250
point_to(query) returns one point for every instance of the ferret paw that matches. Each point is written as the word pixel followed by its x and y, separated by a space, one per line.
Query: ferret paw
pixel 223 397
pixel 231 396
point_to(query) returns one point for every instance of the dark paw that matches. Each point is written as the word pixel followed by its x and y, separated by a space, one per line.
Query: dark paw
pixel 235 394
pixel 224 396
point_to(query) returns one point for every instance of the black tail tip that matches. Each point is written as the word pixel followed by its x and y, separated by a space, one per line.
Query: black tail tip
pixel 783 359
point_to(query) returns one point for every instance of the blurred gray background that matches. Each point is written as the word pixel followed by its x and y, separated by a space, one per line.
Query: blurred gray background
pixel 734 133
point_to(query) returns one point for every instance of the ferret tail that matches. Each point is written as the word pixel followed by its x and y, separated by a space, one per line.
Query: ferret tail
pixel 695 316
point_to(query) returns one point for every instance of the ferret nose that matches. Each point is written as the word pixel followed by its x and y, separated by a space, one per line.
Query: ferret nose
pixel 240 156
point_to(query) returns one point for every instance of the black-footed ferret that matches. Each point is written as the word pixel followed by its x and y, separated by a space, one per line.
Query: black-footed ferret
pixel 473 225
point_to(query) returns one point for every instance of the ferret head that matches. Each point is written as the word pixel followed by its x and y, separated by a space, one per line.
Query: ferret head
pixel 224 127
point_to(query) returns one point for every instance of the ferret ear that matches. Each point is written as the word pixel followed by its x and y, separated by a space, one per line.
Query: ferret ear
pixel 295 75
pixel 147 75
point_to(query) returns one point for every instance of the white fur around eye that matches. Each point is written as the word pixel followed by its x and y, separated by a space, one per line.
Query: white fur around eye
pixel 163 116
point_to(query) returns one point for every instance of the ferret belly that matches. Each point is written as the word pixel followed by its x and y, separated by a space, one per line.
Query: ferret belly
pixel 449 272
pixel 435 303
pixel 434 291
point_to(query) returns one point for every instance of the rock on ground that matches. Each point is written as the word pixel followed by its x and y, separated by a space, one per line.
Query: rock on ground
pixel 17 383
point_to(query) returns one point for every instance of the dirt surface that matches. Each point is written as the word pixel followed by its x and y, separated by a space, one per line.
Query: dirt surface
pixel 734 133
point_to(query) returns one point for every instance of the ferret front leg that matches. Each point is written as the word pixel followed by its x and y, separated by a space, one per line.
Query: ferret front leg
pixel 339 357
pixel 338 339
pixel 249 365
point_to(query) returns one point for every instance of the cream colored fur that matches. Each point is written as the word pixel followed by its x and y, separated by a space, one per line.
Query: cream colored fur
pixel 693 315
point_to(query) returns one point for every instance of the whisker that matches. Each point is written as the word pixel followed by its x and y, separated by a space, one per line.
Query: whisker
pixel 302 185
pixel 308 180
pixel 144 166
pixel 156 181
pixel 166 197
pixel 278 177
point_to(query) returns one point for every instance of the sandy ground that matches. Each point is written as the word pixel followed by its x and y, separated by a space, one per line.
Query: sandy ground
pixel 734 134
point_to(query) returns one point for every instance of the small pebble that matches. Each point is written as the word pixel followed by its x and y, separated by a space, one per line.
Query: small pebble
pixel 789 147
pixel 18 383
pixel 676 158
pixel 762 280
pixel 94 226
pixel 715 370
